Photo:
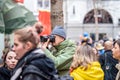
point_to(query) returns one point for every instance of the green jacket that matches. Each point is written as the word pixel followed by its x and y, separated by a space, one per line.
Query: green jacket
pixel 62 57
pixel 14 16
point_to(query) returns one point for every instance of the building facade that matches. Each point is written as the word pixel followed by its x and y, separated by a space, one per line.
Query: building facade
pixel 79 17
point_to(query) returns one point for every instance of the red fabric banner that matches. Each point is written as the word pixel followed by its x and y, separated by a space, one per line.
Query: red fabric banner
pixel 21 1
pixel 44 18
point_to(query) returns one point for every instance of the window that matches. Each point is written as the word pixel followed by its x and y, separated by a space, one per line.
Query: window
pixel 46 3
pixel 40 3
pixel 103 17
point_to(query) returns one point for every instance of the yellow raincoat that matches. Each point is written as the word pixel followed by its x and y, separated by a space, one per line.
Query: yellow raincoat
pixel 93 72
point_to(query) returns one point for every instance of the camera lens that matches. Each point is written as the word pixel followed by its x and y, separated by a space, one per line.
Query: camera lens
pixel 52 38
pixel 43 38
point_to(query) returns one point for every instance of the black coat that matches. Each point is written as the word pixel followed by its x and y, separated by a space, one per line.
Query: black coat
pixel 4 73
pixel 111 71
pixel 36 66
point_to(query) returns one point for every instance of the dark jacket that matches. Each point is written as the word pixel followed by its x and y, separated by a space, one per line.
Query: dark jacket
pixel 108 64
pixel 4 73
pixel 36 66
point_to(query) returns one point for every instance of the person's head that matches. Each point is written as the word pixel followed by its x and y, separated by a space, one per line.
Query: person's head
pixel 108 45
pixel 85 34
pixel 86 40
pixel 99 46
pixel 25 40
pixel 83 56
pixel 116 49
pixel 9 59
pixel 38 27
pixel 81 37
pixel 59 34
pixel 95 51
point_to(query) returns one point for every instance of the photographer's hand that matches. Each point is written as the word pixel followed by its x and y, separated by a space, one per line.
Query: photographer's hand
pixel 45 44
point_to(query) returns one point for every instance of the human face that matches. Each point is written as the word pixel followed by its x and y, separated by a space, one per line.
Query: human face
pixel 19 47
pixel 116 51
pixel 95 51
pixel 11 60
pixel 58 40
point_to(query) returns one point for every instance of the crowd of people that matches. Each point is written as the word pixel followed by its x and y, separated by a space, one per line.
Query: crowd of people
pixel 53 57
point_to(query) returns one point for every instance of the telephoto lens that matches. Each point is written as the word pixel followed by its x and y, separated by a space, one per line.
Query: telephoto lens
pixel 45 38
pixel 52 38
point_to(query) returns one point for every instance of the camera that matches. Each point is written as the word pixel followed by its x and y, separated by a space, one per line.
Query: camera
pixel 45 38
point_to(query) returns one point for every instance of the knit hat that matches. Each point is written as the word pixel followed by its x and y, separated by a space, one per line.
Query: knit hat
pixel 58 30
pixel 85 34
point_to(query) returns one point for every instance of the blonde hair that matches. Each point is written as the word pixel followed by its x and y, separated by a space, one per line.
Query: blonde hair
pixel 83 56
pixel 28 34
pixel 108 45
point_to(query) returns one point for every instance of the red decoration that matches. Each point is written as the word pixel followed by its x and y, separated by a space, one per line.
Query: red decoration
pixel 20 1
pixel 44 18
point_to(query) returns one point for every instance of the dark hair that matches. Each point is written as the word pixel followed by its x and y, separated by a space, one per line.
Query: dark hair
pixel 85 41
pixel 39 27
pixel 4 55
pixel 118 42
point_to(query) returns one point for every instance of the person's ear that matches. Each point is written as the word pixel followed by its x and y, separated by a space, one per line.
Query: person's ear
pixel 28 45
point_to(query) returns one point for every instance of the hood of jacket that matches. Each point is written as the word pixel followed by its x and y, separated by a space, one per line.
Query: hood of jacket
pixel 37 58
pixel 64 44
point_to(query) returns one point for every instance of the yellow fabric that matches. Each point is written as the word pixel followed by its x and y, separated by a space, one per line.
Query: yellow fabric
pixel 93 72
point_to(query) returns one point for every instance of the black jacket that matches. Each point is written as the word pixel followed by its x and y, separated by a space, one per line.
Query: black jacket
pixel 35 66
pixel 108 64
pixel 4 73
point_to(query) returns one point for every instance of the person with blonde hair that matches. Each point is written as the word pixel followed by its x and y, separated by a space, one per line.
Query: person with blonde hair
pixel 85 65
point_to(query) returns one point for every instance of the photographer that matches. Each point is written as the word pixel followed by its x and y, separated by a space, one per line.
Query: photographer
pixel 63 54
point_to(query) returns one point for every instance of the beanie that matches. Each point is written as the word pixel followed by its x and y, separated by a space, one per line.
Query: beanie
pixel 85 34
pixel 58 30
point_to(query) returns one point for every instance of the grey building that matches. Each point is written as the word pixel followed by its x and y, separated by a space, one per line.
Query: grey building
pixel 79 17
